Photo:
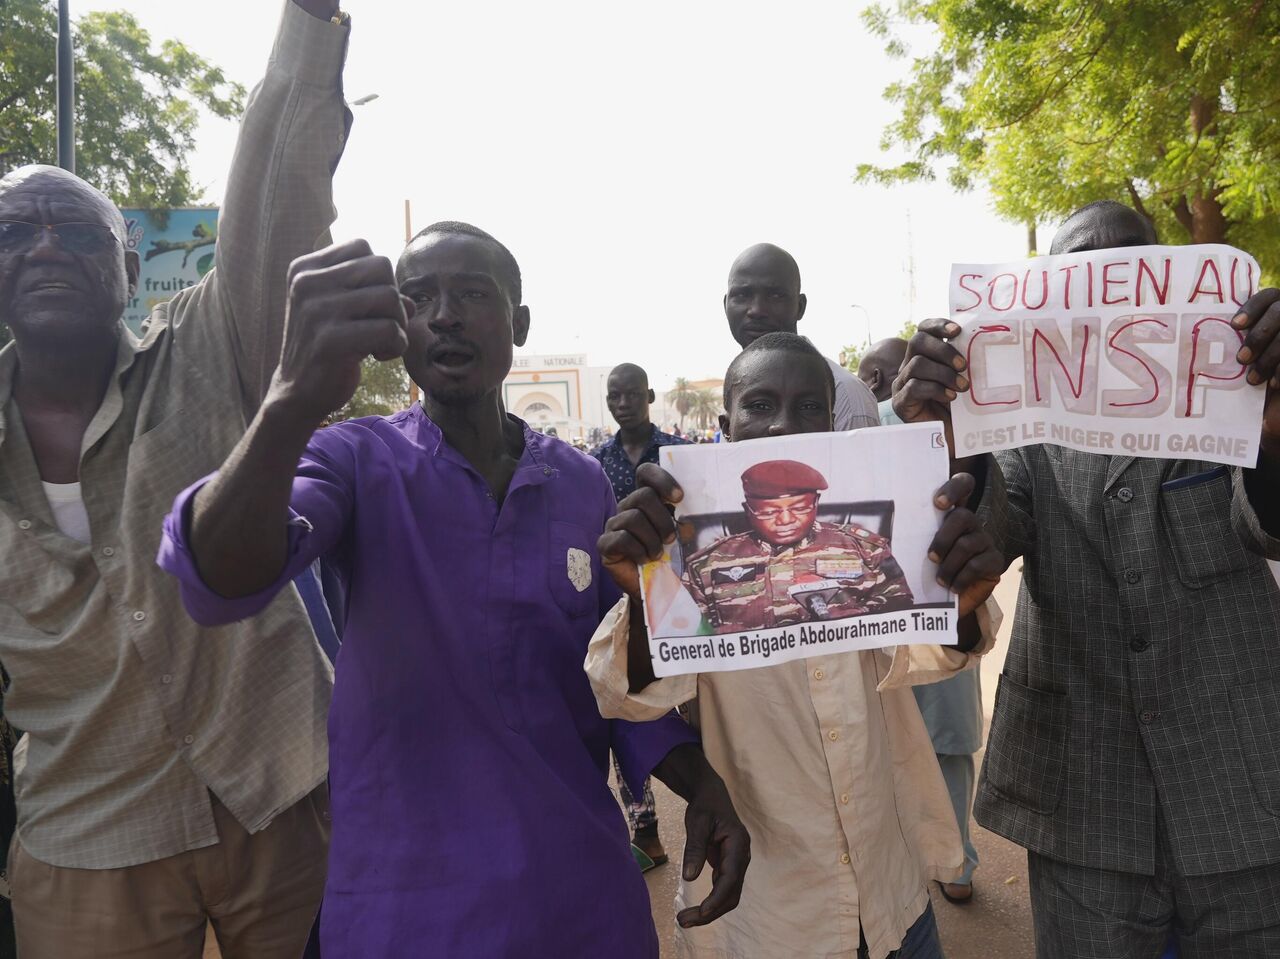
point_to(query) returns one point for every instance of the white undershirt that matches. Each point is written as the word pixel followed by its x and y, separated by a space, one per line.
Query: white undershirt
pixel 68 510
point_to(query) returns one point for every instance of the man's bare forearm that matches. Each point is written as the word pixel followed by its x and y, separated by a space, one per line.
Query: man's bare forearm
pixel 685 769
pixel 239 523
pixel 639 661
pixel 968 633
pixel 1262 484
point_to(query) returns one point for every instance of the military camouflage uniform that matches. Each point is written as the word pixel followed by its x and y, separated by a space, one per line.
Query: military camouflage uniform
pixel 742 582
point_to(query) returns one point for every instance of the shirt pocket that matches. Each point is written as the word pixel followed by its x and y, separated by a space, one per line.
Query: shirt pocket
pixel 1196 513
pixel 1027 750
pixel 1254 708
pixel 45 577
pixel 572 569
pixel 172 454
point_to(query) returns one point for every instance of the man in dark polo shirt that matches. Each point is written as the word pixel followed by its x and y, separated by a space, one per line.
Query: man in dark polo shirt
pixel 637 441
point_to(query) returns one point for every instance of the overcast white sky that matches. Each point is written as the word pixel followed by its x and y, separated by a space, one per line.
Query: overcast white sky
pixel 626 153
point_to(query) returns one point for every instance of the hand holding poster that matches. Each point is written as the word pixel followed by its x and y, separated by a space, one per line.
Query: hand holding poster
pixel 799 546
pixel 1124 351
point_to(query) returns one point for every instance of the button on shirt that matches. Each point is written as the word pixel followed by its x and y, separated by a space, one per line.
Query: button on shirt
pixel 471 807
pixel 618 466
pixel 134 714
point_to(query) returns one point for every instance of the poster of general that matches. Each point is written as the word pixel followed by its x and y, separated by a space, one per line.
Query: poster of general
pixel 798 546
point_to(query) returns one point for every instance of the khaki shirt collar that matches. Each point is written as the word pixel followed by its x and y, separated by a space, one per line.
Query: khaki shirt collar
pixel 128 348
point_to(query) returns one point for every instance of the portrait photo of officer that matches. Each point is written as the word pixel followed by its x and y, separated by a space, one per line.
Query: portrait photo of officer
pixel 788 567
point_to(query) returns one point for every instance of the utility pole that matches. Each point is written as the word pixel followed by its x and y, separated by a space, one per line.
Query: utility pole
pixel 911 271
pixel 66 91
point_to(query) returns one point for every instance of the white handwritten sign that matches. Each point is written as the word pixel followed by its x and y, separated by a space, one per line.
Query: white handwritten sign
pixel 1125 351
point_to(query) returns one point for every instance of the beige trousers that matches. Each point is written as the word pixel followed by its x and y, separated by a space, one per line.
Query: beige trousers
pixel 260 892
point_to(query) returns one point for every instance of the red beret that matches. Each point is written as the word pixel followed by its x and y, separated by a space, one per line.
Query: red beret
pixel 781 478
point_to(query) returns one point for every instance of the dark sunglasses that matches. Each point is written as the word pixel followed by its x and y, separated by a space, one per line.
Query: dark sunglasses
pixel 17 235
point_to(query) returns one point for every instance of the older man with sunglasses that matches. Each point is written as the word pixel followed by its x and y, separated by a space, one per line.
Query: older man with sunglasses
pixel 174 775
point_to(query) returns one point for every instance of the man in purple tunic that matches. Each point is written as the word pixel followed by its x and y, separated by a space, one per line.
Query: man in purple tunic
pixel 471 811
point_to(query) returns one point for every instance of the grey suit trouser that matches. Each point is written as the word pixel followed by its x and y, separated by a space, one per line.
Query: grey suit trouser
pixel 1086 913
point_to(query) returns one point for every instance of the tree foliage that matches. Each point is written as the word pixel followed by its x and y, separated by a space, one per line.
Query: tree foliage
pixel 684 397
pixel 383 390
pixel 706 408
pixel 851 356
pixel 1171 106
pixel 136 107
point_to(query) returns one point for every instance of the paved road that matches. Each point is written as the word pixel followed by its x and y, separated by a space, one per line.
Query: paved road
pixel 995 925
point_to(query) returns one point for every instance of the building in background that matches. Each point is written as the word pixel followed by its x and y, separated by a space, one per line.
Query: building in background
pixel 561 392
pixel 564 392
pixel 706 403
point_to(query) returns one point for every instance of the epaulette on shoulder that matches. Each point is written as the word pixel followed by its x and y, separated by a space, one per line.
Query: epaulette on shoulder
pixel 863 534
pixel 718 545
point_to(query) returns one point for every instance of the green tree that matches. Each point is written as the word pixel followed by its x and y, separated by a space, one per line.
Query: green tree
pixel 683 397
pixel 851 356
pixel 705 409
pixel 1168 105
pixel 383 389
pixel 137 107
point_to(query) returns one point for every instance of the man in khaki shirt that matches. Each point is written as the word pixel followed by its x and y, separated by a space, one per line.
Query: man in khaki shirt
pixel 826 759
pixel 173 775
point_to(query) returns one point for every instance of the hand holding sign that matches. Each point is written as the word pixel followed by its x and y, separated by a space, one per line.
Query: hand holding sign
pixel 1260 316
pixel 642 526
pixel 931 376
pixel 968 562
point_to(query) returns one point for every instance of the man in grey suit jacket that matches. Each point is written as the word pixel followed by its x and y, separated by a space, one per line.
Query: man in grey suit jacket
pixel 1132 750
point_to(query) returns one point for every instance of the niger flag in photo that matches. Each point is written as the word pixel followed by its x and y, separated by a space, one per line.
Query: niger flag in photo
pixel 669 608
